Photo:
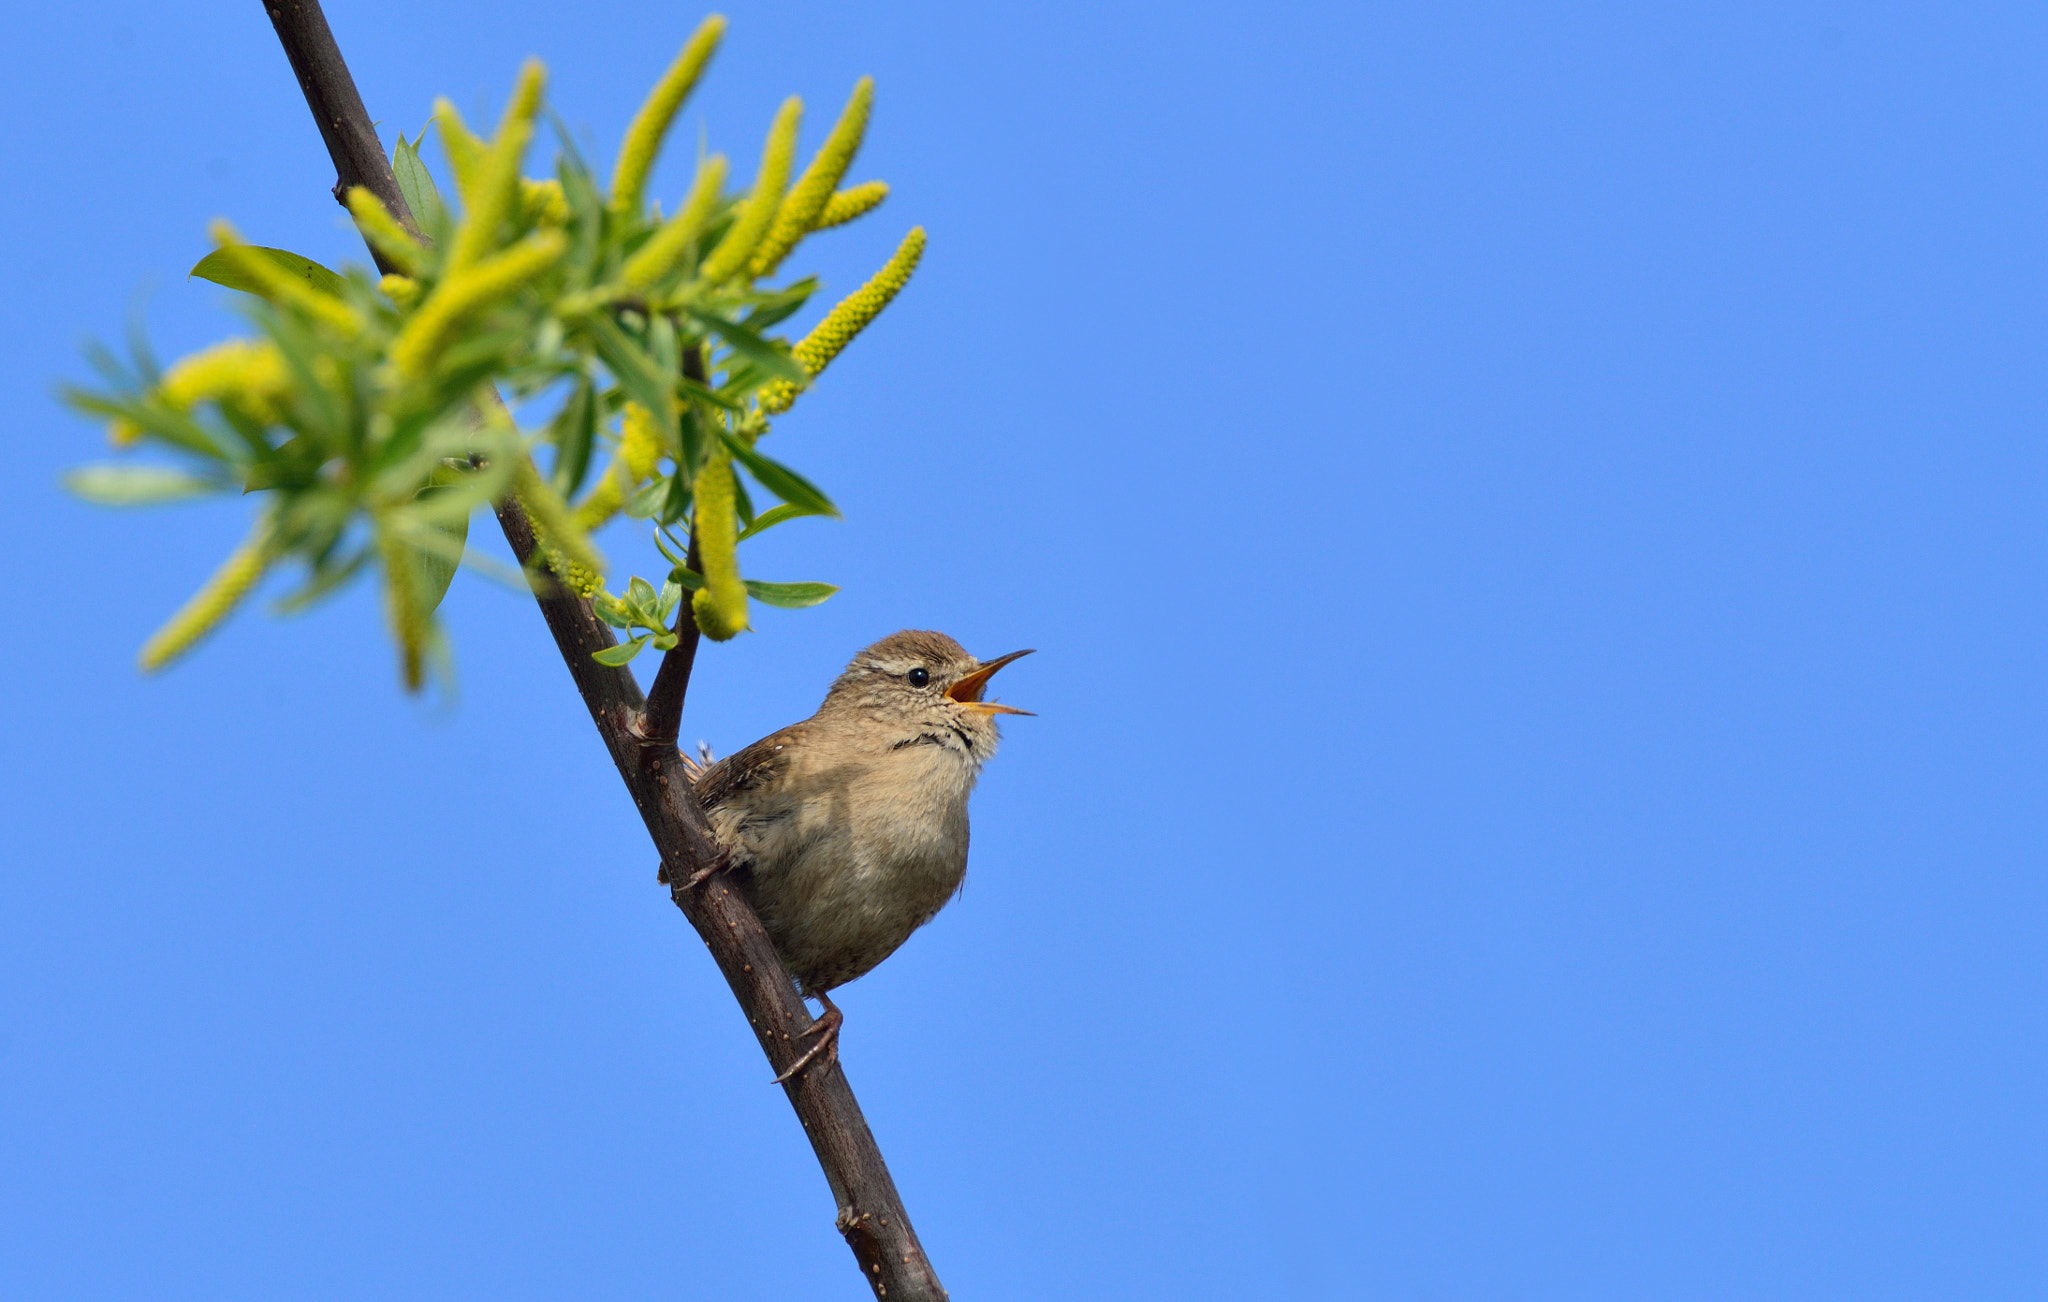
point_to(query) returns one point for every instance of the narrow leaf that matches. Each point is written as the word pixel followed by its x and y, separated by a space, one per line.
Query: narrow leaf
pixel 649 500
pixel 222 267
pixel 573 432
pixel 435 566
pixel 773 359
pixel 141 485
pixel 416 183
pixel 789 596
pixel 773 516
pixel 620 654
pixel 779 479
pixel 645 383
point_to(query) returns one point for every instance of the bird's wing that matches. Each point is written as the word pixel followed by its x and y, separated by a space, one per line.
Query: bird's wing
pixel 745 769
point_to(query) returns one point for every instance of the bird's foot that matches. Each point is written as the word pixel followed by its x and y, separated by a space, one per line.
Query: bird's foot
pixel 826 1028
pixel 695 879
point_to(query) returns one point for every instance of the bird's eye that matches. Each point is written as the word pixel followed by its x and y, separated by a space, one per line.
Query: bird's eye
pixel 919 677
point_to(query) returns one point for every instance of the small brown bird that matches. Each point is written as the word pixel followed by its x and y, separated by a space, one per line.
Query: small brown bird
pixel 848 831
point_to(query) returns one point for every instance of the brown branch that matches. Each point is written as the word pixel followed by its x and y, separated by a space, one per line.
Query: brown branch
pixel 664 716
pixel 871 1215
pixel 337 109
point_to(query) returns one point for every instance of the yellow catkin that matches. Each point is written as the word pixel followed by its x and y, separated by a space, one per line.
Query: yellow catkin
pixel 651 123
pixel 542 202
pixel 211 604
pixel 487 202
pixel 798 214
pixel 854 201
pixel 466 293
pixel 639 452
pixel 720 606
pixel 465 152
pixel 668 246
pixel 744 235
pixel 848 319
pixel 248 372
pixel 556 535
pixel 405 606
pixel 281 287
pixel 384 232
pixel 402 290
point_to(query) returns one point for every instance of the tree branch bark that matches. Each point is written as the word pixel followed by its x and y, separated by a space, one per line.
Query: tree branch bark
pixel 870 1212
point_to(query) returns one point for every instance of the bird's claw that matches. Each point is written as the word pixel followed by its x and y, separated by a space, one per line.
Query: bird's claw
pixel 695 879
pixel 705 874
pixel 826 1028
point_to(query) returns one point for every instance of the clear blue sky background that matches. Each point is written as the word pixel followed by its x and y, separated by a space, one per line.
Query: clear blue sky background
pixel 1533 521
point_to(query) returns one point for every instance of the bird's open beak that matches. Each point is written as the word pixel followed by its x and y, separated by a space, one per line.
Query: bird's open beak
pixel 969 689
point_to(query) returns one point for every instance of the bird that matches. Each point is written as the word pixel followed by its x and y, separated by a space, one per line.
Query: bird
pixel 847 832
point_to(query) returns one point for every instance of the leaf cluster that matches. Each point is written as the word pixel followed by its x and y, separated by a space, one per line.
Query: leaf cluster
pixel 366 414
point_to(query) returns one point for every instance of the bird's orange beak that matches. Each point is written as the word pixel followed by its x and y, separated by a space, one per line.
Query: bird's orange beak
pixel 969 689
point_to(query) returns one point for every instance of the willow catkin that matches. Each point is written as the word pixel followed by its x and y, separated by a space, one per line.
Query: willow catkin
pixel 752 223
pixel 650 125
pixel 668 246
pixel 640 447
pixel 250 373
pixel 852 202
pixel 214 601
pixel 487 200
pixel 384 232
pixel 848 318
pixel 798 213
pixel 720 606
pixel 465 293
pixel 557 536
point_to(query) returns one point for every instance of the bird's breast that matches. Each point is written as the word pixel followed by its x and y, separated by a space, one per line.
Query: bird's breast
pixel 854 853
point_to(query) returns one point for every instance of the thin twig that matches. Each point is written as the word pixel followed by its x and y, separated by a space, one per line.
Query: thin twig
pixel 871 1215
pixel 663 718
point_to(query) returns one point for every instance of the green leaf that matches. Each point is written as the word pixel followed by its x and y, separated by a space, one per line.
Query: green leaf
pixel 436 566
pixel 326 578
pixel 773 516
pixel 620 654
pixel 789 596
pixel 690 438
pixel 773 309
pixel 141 485
pixel 573 431
pixel 663 349
pixel 637 374
pixel 416 183
pixel 155 416
pixel 772 359
pixel 223 267
pixel 686 578
pixel 586 205
pixel 677 501
pixel 779 479
pixel 641 593
pixel 742 505
pixel 699 391
pixel 648 500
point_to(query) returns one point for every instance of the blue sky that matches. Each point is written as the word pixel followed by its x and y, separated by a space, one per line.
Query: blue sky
pixel 1533 521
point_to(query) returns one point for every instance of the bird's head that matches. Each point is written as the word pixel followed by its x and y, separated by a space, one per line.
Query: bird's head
pixel 927 688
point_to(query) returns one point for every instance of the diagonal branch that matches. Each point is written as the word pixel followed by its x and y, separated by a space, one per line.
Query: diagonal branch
pixel 871 1215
